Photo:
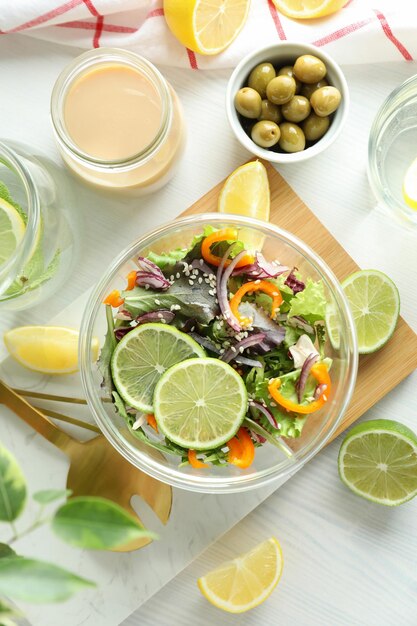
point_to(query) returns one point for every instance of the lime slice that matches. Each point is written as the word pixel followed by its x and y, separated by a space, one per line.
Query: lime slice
pixel 378 461
pixel 200 403
pixel 12 229
pixel 410 186
pixel 375 304
pixel 143 355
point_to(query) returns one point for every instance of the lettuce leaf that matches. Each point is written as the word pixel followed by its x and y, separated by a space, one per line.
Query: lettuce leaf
pixel 309 303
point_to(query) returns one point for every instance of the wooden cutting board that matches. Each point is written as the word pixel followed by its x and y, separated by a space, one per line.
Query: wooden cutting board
pixel 379 372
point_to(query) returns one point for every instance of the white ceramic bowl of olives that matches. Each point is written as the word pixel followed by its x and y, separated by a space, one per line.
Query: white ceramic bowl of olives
pixel 287 102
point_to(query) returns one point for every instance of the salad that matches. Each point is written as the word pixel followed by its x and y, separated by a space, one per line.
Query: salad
pixel 213 351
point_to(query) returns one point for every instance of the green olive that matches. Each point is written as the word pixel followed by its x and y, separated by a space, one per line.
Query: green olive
pixel 314 127
pixel 325 101
pixel 297 109
pixel 292 137
pixel 281 89
pixel 248 103
pixel 309 69
pixel 308 90
pixel 260 76
pixel 265 133
pixel 270 112
pixel 288 70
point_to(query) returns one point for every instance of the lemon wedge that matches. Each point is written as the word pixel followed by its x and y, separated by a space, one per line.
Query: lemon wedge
pixel 245 582
pixel 12 229
pixel 410 186
pixel 308 9
pixel 206 26
pixel 246 192
pixel 46 349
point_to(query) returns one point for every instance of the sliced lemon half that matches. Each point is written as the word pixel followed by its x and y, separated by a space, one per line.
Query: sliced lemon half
pixel 206 26
pixel 308 9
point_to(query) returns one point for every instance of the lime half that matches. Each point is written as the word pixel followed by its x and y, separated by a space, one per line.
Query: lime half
pixel 12 229
pixel 375 304
pixel 378 461
pixel 143 355
pixel 200 403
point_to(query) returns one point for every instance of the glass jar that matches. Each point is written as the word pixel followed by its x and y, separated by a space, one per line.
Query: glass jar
pixel 153 165
pixel 35 200
pixel 392 148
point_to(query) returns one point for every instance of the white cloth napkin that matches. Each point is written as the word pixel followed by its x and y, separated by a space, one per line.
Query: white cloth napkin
pixel 364 31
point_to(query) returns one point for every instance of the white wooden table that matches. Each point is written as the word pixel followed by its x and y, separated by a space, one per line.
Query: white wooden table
pixel 347 562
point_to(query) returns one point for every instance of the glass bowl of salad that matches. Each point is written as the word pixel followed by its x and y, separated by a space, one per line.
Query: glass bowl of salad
pixel 228 353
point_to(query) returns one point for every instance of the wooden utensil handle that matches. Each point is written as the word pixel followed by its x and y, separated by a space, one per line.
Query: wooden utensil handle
pixel 36 419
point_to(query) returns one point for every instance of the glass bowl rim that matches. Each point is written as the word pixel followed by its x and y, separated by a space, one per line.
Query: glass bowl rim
pixel 199 483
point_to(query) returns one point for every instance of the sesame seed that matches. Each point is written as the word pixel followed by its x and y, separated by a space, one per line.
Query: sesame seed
pixel 171 278
pixel 212 277
pixel 192 328
pixel 221 350
pixel 201 261
pixel 172 307
pixel 275 293
pixel 160 316
pixel 195 272
pixel 273 404
pixel 324 398
pixel 241 350
pixel 206 280
pixel 257 282
pixel 163 321
pixel 178 275
pixel 146 286
pixel 158 302
pixel 212 292
pixel 187 272
pixel 233 349
pixel 191 282
pixel 200 280
pixel 216 301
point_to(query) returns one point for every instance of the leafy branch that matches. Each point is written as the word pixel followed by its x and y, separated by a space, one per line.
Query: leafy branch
pixel 85 522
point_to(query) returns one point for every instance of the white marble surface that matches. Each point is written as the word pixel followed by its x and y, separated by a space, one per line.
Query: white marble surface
pixel 347 562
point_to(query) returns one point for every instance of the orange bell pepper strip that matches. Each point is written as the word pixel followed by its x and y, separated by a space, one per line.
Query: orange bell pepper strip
pixel 114 299
pixel 226 234
pixel 321 374
pixel 131 280
pixel 241 449
pixel 150 418
pixel 258 285
pixel 193 461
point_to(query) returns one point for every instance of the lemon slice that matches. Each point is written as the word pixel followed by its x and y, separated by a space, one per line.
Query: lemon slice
pixel 308 9
pixel 46 349
pixel 246 192
pixel 245 582
pixel 12 229
pixel 206 26
pixel 410 186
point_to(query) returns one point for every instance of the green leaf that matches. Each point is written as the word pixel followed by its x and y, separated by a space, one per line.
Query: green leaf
pixel 12 487
pixel 167 260
pixel 195 301
pixel 6 550
pixel 107 351
pixel 46 496
pixel 49 273
pixel 39 582
pixel 96 523
pixel 310 303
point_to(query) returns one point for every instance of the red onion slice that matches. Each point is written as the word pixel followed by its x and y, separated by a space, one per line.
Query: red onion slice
pixel 124 315
pixel 222 291
pixel 156 316
pixel 205 342
pixel 320 389
pixel 305 370
pixel 265 411
pixel 234 351
pixel 261 268
pixel 199 264
pixel 155 281
pixel 299 321
pixel 293 283
pixel 119 333
pixel 242 360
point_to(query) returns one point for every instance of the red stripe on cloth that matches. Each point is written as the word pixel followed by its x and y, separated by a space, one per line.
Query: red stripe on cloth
pixel 106 28
pixel 192 59
pixel 99 30
pixel 387 30
pixel 342 32
pixel 155 13
pixel 277 21
pixel 45 17
pixel 90 6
